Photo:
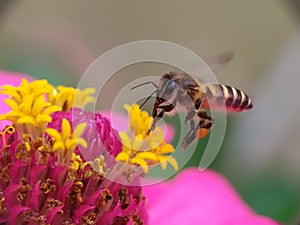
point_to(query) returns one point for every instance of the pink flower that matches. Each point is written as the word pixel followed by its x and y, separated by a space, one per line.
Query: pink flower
pixel 44 178
pixel 195 197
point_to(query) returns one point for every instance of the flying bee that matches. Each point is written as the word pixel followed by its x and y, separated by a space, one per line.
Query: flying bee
pixel 181 90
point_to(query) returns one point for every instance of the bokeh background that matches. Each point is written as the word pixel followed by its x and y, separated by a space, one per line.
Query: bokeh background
pixel 260 156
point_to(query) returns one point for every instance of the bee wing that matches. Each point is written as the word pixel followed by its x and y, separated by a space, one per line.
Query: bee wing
pixel 220 60
pixel 202 74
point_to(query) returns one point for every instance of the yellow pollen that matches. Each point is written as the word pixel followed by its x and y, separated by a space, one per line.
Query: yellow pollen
pixel 76 163
pixel 27 146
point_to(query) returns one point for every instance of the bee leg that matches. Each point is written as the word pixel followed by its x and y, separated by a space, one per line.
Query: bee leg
pixel 206 121
pixel 155 107
pixel 147 99
pixel 206 124
pixel 193 112
pixel 190 136
pixel 190 116
pixel 157 117
pixel 188 139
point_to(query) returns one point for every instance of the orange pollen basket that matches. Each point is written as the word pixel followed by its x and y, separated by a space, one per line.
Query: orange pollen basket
pixel 202 132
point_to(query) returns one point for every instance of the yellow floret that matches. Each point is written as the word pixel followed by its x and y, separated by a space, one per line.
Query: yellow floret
pixel 64 143
pixel 32 104
pixel 143 149
pixel 68 97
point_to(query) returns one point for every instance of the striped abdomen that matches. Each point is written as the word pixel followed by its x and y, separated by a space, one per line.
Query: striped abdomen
pixel 219 95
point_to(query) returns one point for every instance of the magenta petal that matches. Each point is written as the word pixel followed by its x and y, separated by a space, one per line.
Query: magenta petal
pixel 64 191
pixel 12 79
pixel 17 171
pixel 79 213
pixel 195 197
pixel 13 219
pixel 35 171
pixel 33 199
pixel 11 196
pixel 130 222
pixel 93 198
pixel 52 214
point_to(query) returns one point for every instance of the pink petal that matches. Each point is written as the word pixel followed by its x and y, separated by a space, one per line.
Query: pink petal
pixel 79 213
pixel 11 196
pixel 195 197
pixel 17 210
pixel 52 214
pixel 120 123
pixel 16 171
pixel 35 171
pixel 12 79
pixel 33 198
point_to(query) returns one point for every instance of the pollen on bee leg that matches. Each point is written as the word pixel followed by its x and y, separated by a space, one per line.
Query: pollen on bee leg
pixel 202 132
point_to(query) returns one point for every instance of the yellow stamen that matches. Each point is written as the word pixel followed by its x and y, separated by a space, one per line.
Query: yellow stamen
pixel 68 97
pixel 33 103
pixel 7 130
pixel 142 149
pixel 141 162
pixel 64 143
pixel 122 156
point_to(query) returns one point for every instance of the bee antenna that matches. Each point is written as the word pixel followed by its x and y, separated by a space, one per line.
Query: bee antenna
pixel 142 84
pixel 147 99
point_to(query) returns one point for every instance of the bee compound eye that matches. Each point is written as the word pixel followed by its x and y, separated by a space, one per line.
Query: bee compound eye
pixel 186 84
pixel 169 88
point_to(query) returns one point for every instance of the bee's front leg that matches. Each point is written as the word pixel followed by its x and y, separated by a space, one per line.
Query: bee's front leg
pixel 157 117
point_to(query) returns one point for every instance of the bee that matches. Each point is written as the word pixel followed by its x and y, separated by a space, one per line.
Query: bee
pixel 181 90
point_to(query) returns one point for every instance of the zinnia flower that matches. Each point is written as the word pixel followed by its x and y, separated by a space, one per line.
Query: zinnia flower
pixel 45 178
pixel 62 165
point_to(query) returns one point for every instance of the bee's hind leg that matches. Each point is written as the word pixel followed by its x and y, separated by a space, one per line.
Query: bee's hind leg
pixel 200 128
pixel 205 121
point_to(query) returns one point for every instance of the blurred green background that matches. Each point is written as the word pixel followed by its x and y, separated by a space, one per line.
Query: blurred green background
pixel 58 40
